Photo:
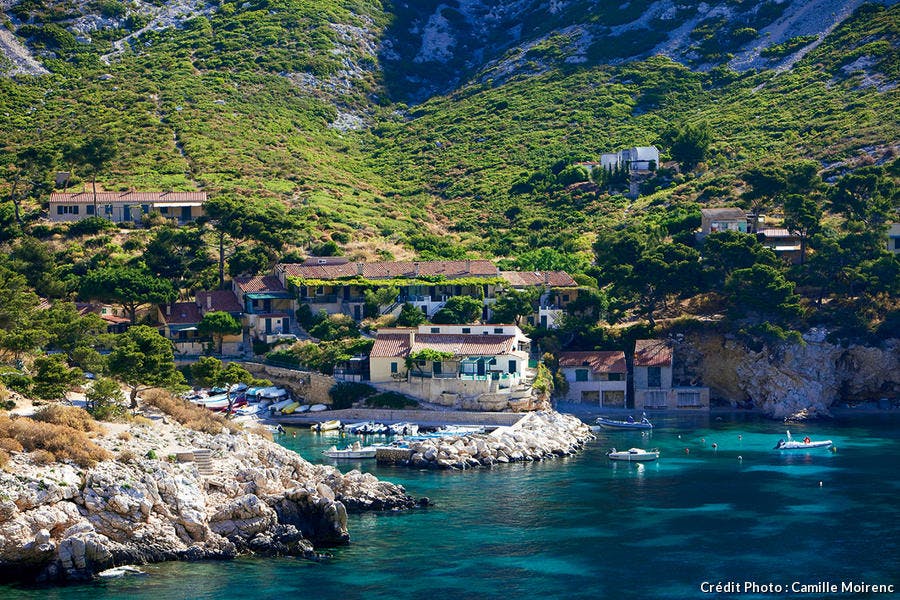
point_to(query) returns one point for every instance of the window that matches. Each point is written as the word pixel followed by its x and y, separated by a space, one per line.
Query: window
pixel 67 210
pixel 393 367
pixel 59 210
pixel 163 210
pixel 615 377
pixel 688 400
pixel 513 366
pixel 590 396
pixel 581 375
pixel 435 330
pixel 498 330
pixel 565 298
pixel 614 399
pixel 467 330
pixel 654 377
pixel 654 400
pixel 108 209
pixel 89 210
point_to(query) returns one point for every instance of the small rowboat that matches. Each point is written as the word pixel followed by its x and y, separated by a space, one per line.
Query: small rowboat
pixel 633 455
pixel 354 450
pixel 792 444
pixel 644 423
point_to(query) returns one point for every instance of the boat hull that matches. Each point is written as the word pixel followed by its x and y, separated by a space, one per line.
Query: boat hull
pixel 804 445
pixel 612 424
pixel 363 453
pixel 634 455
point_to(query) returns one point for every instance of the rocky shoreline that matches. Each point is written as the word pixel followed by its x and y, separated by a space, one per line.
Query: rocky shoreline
pixel 536 436
pixel 60 522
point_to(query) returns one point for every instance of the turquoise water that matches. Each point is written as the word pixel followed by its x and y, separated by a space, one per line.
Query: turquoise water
pixel 584 527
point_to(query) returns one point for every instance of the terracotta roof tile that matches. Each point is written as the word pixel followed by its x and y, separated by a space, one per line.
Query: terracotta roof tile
pixel 599 361
pixel 537 278
pixel 136 197
pixel 393 269
pixel 223 300
pixel 652 353
pixel 260 283
pixel 390 345
pixel 181 313
pixel 465 345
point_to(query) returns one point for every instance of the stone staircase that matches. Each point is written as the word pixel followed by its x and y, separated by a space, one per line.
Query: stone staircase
pixel 203 460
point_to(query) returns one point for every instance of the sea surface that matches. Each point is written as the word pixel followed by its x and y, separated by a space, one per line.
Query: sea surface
pixel 585 527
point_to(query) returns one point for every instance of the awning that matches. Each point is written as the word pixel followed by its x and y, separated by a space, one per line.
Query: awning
pixel 268 295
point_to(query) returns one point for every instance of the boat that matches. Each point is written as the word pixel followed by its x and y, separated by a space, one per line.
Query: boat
pixel 271 393
pixel 460 429
pixel 317 408
pixel 368 428
pixel 644 423
pixel 302 408
pixel 290 408
pixel 633 455
pixel 354 450
pixel 404 429
pixel 804 444
pixel 327 425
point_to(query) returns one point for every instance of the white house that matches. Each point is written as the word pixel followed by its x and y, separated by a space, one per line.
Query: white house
pixel 595 377
pixel 639 158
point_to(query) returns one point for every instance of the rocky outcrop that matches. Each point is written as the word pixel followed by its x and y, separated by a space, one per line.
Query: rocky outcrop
pixel 61 522
pixel 788 379
pixel 536 436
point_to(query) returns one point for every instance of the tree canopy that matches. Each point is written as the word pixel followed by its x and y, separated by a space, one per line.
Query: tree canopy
pixel 128 286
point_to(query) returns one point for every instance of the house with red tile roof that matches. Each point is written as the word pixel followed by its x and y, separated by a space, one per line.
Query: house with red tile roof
pixel 179 322
pixel 653 380
pixel 269 309
pixel 595 377
pixel 558 288
pixel 472 365
pixel 338 286
pixel 126 207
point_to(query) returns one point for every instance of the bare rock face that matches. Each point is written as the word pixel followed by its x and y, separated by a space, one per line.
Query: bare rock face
pixel 61 522
pixel 793 378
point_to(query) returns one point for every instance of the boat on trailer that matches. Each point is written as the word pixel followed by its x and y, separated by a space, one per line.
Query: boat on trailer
pixel 608 423
pixel 804 444
pixel 633 455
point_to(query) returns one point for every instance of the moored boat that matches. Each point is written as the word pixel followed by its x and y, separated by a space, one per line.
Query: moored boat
pixel 804 444
pixel 331 425
pixel 633 455
pixel 644 423
pixel 317 408
pixel 354 450
pixel 404 429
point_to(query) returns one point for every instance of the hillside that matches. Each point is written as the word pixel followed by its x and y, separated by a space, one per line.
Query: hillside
pixel 303 103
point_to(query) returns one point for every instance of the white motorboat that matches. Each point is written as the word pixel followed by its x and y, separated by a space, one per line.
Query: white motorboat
pixel 644 423
pixel 354 450
pixel 805 444
pixel 633 455
pixel 404 429
pixel 331 425
pixel 355 427
pixel 317 408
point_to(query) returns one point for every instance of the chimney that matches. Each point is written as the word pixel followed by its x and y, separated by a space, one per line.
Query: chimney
pixel 209 301
pixel 546 277
pixel 416 269
pixel 359 268
pixel 468 266
pixel 412 337
pixel 169 309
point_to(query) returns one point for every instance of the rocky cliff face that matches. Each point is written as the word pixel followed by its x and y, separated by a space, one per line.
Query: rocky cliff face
pixel 60 522
pixel 785 380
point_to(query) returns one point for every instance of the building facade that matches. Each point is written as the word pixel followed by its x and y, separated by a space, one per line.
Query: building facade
pixel 595 377
pixel 126 207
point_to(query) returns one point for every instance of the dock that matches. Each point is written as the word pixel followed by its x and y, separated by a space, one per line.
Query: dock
pixel 427 418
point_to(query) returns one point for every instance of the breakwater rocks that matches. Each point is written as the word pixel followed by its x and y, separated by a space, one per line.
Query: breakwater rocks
pixel 60 522
pixel 536 436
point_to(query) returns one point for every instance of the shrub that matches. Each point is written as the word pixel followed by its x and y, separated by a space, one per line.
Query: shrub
pixel 10 445
pixel 4 458
pixel 18 382
pixel 345 393
pixel 58 441
pixel 42 457
pixel 68 416
pixel 124 436
pixel 127 456
pixel 390 400
pixel 192 417
pixel 90 226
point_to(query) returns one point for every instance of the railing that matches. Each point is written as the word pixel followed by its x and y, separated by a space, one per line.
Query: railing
pixel 326 299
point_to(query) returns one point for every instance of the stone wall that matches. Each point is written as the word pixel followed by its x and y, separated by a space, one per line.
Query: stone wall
pixel 313 387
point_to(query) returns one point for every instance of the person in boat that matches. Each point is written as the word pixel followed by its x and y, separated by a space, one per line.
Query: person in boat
pixel 630 419
pixel 806 440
